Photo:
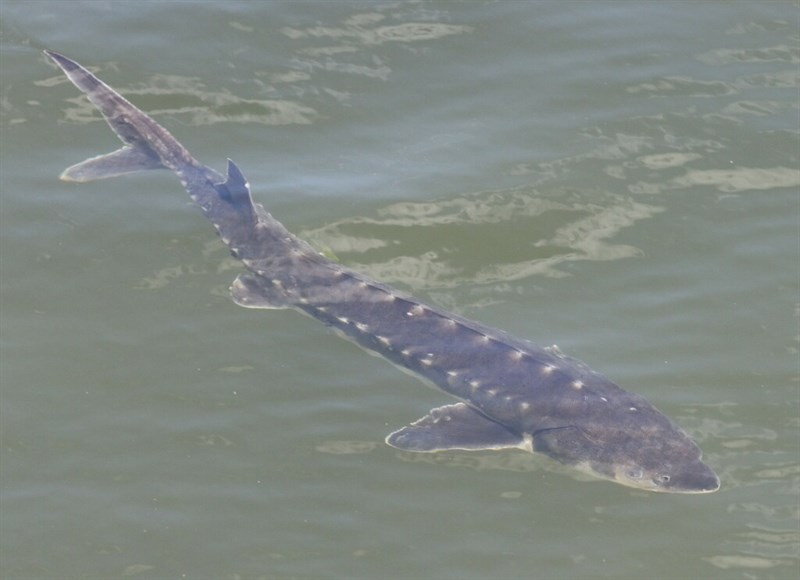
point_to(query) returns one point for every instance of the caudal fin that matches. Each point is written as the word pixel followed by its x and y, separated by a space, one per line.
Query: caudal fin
pixel 147 144
pixel 128 159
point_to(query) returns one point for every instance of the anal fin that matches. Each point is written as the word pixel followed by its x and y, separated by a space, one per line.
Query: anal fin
pixel 455 426
pixel 250 291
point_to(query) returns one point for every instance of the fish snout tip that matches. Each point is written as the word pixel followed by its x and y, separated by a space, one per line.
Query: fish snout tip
pixel 702 480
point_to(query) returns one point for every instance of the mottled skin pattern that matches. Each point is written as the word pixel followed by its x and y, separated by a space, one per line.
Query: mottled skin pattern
pixel 512 392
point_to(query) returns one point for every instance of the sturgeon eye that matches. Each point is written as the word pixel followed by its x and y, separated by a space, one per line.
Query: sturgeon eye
pixel 635 473
pixel 661 479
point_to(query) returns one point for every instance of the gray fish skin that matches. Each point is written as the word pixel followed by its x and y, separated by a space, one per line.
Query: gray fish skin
pixel 512 393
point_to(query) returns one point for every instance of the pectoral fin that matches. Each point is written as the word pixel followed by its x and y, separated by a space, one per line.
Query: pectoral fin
pixel 454 427
pixel 128 159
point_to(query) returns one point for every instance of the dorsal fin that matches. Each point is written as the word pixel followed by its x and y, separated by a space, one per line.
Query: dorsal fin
pixel 237 185
pixel 236 191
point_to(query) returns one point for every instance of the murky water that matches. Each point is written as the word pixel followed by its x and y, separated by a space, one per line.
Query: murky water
pixel 617 178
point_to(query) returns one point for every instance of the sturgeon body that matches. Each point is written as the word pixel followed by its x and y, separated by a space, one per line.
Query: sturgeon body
pixel 511 393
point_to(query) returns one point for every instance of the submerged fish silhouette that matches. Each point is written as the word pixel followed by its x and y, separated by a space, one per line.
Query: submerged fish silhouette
pixel 512 393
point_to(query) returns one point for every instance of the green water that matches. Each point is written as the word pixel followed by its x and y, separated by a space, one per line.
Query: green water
pixel 618 178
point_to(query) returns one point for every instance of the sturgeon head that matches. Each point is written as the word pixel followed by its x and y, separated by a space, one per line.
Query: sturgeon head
pixel 618 435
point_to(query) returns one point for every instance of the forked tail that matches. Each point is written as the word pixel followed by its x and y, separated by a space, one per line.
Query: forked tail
pixel 147 144
pixel 225 200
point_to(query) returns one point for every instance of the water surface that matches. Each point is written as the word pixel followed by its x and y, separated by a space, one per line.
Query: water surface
pixel 617 178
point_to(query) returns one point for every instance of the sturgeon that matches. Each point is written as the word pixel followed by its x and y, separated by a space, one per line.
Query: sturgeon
pixel 511 393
